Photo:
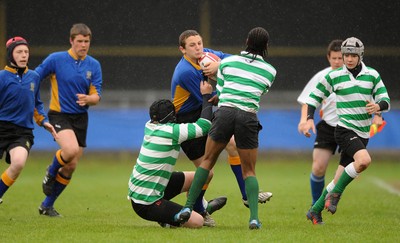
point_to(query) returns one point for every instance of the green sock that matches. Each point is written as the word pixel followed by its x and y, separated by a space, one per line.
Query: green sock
pixel 343 181
pixel 200 178
pixel 320 203
pixel 251 185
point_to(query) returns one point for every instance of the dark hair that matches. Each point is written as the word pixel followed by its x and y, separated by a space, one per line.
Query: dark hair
pixel 257 42
pixel 186 34
pixel 335 45
pixel 80 29
pixel 162 111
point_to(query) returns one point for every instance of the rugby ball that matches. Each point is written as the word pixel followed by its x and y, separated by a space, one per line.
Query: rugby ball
pixel 208 57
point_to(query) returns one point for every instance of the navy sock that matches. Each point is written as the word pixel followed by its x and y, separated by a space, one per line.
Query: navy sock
pixel 3 188
pixel 317 186
pixel 57 163
pixel 198 206
pixel 58 189
pixel 237 171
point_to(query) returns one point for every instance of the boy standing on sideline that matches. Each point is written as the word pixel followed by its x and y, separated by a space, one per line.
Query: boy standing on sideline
pixel 360 93
pixel 19 104
pixel 241 81
pixel 76 81
pixel 325 145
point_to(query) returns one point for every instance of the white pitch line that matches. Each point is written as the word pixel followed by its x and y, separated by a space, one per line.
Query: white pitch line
pixel 385 186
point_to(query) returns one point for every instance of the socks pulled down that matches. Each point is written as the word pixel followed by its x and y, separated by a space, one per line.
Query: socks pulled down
pixel 59 186
pixel 318 206
pixel 57 163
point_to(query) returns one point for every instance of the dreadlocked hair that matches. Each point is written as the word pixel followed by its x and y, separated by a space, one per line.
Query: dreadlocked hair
pixel 257 42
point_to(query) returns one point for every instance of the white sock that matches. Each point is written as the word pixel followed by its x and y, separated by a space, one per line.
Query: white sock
pixel 351 171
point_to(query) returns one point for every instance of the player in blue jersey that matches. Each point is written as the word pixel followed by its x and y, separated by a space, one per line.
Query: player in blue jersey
pixel 19 103
pixel 76 80
pixel 187 99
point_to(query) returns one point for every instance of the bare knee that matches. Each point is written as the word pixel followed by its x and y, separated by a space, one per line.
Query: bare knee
pixel 362 160
pixel 69 153
pixel 364 163
pixel 195 221
pixel 318 168
pixel 18 165
pixel 15 168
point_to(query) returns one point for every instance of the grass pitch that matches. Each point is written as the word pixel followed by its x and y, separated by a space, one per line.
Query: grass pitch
pixel 95 208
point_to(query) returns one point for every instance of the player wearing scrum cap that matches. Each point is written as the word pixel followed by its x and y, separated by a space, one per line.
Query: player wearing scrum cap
pixel 360 93
pixel 19 103
pixel 153 182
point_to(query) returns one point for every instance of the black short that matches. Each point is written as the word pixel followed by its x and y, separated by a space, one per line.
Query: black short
pixel 325 137
pixel 193 148
pixel 12 136
pixel 349 143
pixel 231 121
pixel 163 210
pixel 76 122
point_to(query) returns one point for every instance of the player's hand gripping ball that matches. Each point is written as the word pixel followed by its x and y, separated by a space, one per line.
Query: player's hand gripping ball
pixel 208 57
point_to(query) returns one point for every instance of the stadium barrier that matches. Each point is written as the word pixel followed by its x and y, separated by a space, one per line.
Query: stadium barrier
pixel 122 130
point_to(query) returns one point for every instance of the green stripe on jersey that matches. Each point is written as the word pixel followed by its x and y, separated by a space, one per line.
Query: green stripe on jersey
pixel 352 95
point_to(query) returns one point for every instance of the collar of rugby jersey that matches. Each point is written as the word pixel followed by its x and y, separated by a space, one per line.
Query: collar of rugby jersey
pixel 195 65
pixel 14 69
pixel 364 69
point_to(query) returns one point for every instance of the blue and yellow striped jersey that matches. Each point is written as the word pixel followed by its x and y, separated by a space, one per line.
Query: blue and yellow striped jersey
pixel 70 76
pixel 20 99
pixel 185 84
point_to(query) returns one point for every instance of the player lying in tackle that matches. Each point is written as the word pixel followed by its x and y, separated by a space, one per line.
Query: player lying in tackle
pixel 153 182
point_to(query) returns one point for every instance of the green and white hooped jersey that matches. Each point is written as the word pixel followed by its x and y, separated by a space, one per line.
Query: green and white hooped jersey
pixel 157 158
pixel 241 81
pixel 352 95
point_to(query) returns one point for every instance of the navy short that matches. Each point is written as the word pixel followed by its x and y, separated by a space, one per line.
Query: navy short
pixel 76 122
pixel 193 148
pixel 349 143
pixel 230 121
pixel 325 137
pixel 163 210
pixel 12 136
